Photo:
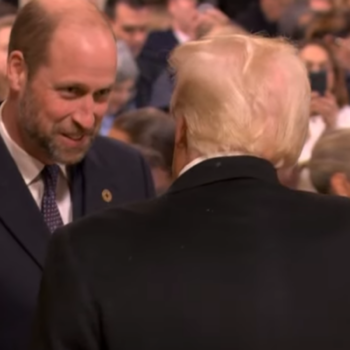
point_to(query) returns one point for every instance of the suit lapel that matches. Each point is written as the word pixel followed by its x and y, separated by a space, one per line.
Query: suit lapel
pixel 18 210
pixel 93 187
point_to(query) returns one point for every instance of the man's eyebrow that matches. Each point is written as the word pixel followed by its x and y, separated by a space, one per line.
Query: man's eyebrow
pixel 81 86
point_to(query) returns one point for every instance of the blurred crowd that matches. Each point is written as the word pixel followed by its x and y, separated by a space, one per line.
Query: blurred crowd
pixel 147 31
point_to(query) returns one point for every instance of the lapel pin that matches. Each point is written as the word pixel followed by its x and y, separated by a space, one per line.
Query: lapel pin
pixel 107 196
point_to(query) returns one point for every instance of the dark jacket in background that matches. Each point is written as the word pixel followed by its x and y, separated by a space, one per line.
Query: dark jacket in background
pixel 152 62
pixel 228 259
pixel 234 8
pixel 254 21
pixel 24 236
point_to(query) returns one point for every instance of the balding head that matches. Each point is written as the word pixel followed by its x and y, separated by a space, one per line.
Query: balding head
pixel 61 67
pixel 38 21
pixel 242 94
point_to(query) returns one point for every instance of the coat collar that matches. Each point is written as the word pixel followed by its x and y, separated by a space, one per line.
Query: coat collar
pixel 225 168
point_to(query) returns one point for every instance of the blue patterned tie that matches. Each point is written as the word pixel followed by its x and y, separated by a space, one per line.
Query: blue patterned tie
pixel 49 207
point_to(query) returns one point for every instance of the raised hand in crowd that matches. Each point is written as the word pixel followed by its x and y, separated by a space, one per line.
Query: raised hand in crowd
pixel 325 106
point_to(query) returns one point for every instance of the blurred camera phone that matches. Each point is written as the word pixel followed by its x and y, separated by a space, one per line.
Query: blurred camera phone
pixel 318 81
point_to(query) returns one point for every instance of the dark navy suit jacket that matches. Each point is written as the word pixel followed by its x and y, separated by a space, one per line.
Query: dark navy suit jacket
pixel 109 165
pixel 152 62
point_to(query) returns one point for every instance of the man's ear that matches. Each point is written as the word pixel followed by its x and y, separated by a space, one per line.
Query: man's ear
pixel 340 185
pixel 16 71
pixel 181 133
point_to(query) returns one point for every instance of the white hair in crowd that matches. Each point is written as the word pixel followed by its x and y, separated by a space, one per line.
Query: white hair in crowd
pixel 242 94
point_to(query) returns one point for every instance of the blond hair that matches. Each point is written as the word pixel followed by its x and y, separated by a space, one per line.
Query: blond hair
pixel 242 93
pixel 330 155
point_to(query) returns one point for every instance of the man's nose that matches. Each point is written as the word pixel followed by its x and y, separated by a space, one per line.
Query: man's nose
pixel 85 114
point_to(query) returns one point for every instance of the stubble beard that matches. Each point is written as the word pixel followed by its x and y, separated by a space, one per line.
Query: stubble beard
pixel 46 141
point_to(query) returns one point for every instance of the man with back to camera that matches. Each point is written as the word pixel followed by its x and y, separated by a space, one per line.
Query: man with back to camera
pixel 61 66
pixel 228 258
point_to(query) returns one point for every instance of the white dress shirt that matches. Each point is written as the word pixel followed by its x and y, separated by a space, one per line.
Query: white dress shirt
pixel 30 169
pixel 181 37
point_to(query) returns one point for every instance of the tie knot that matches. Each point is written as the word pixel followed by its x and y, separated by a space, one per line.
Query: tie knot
pixel 50 175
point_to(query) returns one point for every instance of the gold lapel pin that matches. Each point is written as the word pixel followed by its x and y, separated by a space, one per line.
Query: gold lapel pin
pixel 107 196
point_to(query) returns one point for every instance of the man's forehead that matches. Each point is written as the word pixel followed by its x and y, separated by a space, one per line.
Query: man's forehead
pixel 124 12
pixel 90 48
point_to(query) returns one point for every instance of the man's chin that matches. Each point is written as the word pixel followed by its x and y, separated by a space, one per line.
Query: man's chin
pixel 70 156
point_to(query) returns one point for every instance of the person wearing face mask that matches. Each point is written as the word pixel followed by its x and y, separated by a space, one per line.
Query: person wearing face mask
pixel 329 109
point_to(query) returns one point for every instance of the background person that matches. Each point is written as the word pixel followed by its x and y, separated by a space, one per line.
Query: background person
pixel 6 24
pixel 330 164
pixel 330 111
pixel 123 90
pixel 154 130
pixel 130 21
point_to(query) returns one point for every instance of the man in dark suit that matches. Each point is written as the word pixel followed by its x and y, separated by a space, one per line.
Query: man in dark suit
pixel 263 17
pixel 228 258
pixel 153 59
pixel 188 22
pixel 53 170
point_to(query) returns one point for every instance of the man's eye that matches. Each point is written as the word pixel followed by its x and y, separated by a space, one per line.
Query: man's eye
pixel 102 94
pixel 72 90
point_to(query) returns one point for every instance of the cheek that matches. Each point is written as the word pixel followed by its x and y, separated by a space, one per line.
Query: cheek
pixel 100 111
pixel 59 111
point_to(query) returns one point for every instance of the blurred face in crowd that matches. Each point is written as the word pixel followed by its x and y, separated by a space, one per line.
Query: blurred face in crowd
pixel 317 59
pixel 131 25
pixel 274 9
pixel 183 13
pixel 61 106
pixel 4 43
pixel 121 94
pixel 162 178
pixel 321 5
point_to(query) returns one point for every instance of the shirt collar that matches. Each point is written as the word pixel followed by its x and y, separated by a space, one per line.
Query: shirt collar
pixel 181 37
pixel 29 167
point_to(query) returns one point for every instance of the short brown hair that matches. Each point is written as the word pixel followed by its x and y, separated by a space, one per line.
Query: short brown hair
pixel 31 34
pixel 7 21
pixel 150 128
pixel 330 155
